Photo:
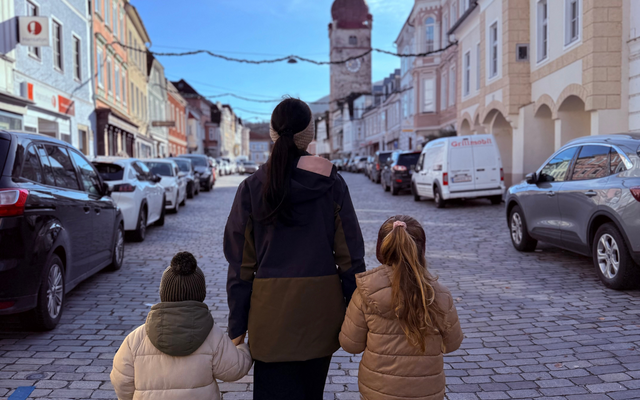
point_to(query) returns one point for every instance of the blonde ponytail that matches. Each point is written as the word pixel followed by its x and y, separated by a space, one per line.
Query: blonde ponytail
pixel 401 245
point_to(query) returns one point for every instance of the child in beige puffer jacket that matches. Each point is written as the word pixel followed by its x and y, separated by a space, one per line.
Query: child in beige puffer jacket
pixel 402 318
pixel 179 352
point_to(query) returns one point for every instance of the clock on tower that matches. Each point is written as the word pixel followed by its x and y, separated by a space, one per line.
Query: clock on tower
pixel 350 36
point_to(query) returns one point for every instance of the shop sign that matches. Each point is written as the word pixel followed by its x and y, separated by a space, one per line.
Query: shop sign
pixel 34 31
pixel 48 99
pixel 164 124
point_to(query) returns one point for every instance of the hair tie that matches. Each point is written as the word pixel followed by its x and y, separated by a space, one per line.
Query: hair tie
pixel 399 223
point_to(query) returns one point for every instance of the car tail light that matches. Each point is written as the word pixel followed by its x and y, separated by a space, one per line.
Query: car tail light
pixel 636 193
pixel 12 202
pixel 400 168
pixel 6 304
pixel 399 180
pixel 125 187
pixel 377 167
pixel 501 174
pixel 445 178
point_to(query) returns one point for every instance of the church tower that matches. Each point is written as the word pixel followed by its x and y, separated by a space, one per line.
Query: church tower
pixel 350 35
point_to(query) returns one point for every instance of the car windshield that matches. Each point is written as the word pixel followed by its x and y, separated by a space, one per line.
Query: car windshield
pixel 408 159
pixel 183 165
pixel 199 161
pixel 160 168
pixel 384 157
pixel 110 172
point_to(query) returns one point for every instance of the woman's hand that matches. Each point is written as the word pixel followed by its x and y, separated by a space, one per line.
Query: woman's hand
pixel 239 340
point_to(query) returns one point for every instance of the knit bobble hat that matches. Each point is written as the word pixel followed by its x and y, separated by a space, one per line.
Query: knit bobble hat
pixel 183 280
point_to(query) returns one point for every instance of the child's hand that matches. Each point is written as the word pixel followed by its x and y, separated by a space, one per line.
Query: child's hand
pixel 239 340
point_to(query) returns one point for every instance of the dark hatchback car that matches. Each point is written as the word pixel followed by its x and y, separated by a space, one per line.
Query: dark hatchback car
pixel 381 158
pixel 58 225
pixel 586 199
pixel 204 169
pixel 396 174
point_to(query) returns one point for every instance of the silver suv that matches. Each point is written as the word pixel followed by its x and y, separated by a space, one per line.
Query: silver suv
pixel 586 199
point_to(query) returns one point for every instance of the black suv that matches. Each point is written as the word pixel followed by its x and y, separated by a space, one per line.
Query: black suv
pixel 396 174
pixel 381 158
pixel 58 225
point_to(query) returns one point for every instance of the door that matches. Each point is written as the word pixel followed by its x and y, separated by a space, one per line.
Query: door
pixel 461 166
pixel 103 210
pixel 582 194
pixel 540 201
pixel 487 167
pixel 73 208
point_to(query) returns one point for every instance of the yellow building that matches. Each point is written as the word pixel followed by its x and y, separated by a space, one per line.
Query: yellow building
pixel 138 39
pixel 539 73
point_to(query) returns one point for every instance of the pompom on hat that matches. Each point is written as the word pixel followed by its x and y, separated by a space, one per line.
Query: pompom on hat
pixel 183 280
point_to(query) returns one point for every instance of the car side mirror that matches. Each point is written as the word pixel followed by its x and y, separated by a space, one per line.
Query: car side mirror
pixel 155 178
pixel 182 174
pixel 106 189
pixel 415 168
pixel 532 178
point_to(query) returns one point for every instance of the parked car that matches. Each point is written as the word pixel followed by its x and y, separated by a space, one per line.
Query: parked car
pixel 240 167
pixel 360 164
pixel 585 198
pixel 369 166
pixel 175 186
pixel 380 160
pixel 193 179
pixel 58 225
pixel 339 163
pixel 204 169
pixel 230 166
pixel 249 167
pixel 396 176
pixel 136 191
pixel 459 167
pixel 348 164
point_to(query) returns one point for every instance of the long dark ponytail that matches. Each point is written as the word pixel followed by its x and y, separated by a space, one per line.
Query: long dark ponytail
pixel 291 116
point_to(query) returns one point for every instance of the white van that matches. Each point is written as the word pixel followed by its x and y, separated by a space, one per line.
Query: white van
pixel 459 167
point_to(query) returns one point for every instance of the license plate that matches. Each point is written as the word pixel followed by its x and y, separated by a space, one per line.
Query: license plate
pixel 461 178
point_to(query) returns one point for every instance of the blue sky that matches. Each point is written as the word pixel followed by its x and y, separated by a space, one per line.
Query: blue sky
pixel 259 29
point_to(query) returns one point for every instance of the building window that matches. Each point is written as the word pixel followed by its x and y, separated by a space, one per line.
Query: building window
pixel 56 30
pixel 83 141
pixel 77 59
pixel 122 35
pixel 478 64
pixel 99 68
pixel 464 6
pixel 467 73
pixel 430 29
pixel 116 20
pixel 572 21
pixel 124 87
pixel 107 13
pixel 353 41
pixel 493 48
pixel 98 6
pixel 443 91
pixel 109 76
pixel 452 86
pixel 117 81
pixel 454 12
pixel 428 95
pixel 33 11
pixel 543 30
pixel 133 99
pixel 130 44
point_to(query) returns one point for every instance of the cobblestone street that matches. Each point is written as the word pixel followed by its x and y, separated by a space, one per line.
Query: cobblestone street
pixel 537 325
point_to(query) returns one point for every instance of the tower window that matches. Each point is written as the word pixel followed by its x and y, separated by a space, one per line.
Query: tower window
pixel 353 41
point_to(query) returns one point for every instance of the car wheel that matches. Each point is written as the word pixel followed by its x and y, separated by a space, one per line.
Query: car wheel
pixel 414 191
pixel 141 230
pixel 394 190
pixel 386 188
pixel 184 201
pixel 520 237
pixel 176 208
pixel 197 188
pixel 495 200
pixel 612 260
pixel 190 191
pixel 437 198
pixel 163 213
pixel 118 250
pixel 48 310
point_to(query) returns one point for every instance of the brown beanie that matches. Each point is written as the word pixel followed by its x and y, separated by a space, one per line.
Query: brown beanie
pixel 183 280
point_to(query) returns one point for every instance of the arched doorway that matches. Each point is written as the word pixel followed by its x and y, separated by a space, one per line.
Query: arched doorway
pixel 478 128
pixel 574 121
pixel 540 142
pixel 465 128
pixel 503 133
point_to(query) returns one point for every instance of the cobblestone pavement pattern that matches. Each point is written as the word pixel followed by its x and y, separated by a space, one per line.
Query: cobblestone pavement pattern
pixel 537 325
